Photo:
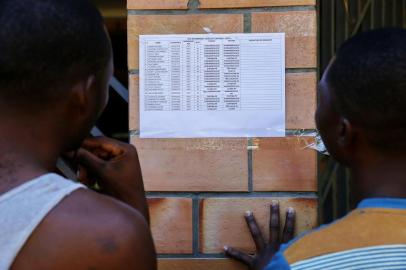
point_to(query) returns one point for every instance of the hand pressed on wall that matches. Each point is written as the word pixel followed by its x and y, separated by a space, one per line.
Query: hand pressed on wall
pixel 265 251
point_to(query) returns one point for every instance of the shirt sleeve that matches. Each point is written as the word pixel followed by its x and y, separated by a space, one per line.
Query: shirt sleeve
pixel 278 262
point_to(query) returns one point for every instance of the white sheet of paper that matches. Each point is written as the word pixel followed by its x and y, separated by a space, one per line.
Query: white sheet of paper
pixel 212 85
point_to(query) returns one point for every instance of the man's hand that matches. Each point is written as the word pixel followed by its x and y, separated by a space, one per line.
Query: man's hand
pixel 265 251
pixel 114 166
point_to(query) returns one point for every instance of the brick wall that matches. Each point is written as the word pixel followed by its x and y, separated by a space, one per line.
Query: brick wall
pixel 199 189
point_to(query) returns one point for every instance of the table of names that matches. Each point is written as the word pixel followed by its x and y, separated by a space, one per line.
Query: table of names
pixel 211 73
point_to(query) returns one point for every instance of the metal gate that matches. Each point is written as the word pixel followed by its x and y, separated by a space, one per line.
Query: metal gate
pixel 339 20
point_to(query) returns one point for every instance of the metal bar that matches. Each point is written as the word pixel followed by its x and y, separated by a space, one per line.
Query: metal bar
pixel 359 8
pixel 119 88
pixel 325 199
pixel 383 13
pixel 372 14
pixel 399 13
pixel 325 34
pixel 335 195
pixel 329 183
pixel 353 9
pixel 348 193
pixel 361 18
pixel 404 13
pixel 324 187
pixel 333 27
pixel 326 174
pixel 318 14
pixel 66 170
pixel 348 19
pixel 327 189
pixel 341 18
pixel 96 132
pixel 347 10
pixel 378 14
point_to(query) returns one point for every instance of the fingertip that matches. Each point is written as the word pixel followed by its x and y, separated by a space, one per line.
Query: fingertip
pixel 248 214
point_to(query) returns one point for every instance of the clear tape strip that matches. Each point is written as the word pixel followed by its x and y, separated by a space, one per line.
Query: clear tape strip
pixel 318 144
pixel 202 142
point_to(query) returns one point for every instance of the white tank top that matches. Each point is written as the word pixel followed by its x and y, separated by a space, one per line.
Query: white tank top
pixel 24 207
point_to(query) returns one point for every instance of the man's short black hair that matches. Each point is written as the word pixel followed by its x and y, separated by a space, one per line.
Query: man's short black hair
pixel 368 78
pixel 47 45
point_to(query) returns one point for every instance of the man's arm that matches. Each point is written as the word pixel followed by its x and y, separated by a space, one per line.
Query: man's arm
pixel 89 231
pixel 114 166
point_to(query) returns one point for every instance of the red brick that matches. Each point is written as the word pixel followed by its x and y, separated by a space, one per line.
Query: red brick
pixel 222 220
pixel 177 24
pixel 301 96
pixel 171 224
pixel 194 164
pixel 253 3
pixel 157 4
pixel 134 102
pixel 301 34
pixel 284 164
pixel 200 264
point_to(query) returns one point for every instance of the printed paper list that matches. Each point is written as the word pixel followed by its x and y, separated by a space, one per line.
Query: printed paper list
pixel 212 85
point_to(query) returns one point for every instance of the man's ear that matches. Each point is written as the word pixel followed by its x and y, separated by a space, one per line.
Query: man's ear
pixel 346 132
pixel 82 94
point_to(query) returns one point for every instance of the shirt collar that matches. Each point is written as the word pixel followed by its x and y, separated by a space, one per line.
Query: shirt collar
pixel 395 203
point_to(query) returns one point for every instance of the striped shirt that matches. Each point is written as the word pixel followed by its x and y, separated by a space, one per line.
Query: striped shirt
pixel 371 237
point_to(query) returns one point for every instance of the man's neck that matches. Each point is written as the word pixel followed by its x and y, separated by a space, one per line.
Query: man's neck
pixel 27 151
pixel 379 177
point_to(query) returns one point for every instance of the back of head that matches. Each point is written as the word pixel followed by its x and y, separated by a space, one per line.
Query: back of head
pixel 48 45
pixel 368 79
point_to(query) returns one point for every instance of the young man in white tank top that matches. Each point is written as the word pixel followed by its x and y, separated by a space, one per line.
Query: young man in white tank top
pixel 55 65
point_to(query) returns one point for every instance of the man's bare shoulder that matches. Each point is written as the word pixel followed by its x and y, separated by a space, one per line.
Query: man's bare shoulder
pixel 89 231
